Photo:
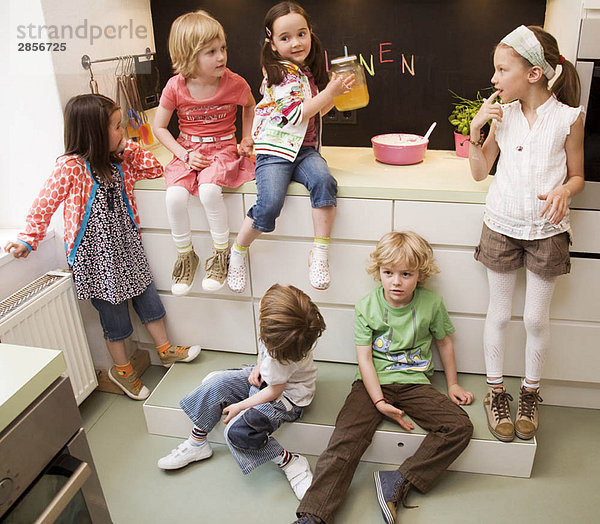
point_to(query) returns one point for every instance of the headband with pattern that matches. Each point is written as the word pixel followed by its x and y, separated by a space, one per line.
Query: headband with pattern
pixel 524 42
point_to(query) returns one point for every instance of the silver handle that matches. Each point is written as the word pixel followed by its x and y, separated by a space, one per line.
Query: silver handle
pixel 65 495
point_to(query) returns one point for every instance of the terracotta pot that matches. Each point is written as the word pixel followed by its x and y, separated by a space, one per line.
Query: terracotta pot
pixel 461 143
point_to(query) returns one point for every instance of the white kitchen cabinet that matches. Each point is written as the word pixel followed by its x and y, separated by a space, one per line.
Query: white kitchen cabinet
pixel 286 262
pixel 356 219
pixel 212 323
pixel 228 321
pixel 162 255
pixel 153 212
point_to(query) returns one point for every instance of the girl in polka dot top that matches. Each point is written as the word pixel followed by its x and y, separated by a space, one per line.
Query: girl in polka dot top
pixel 94 179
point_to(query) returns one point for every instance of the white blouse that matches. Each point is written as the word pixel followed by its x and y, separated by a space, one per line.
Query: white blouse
pixel 532 162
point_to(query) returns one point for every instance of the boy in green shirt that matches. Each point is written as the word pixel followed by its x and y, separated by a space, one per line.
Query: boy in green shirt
pixel 394 327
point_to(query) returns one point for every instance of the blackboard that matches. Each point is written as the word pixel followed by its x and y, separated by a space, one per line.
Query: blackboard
pixel 418 50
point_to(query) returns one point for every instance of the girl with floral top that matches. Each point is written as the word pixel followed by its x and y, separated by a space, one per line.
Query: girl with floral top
pixel 287 138
pixel 539 132
pixel 94 178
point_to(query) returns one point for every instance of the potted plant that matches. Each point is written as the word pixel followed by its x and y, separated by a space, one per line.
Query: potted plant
pixel 461 117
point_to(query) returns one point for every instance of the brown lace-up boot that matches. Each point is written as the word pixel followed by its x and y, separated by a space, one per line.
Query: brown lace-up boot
pixel 497 411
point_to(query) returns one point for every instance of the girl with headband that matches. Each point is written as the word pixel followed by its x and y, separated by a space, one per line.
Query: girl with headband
pixel 538 128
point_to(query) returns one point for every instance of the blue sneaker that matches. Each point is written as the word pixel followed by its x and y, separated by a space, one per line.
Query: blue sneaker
pixel 392 489
pixel 307 518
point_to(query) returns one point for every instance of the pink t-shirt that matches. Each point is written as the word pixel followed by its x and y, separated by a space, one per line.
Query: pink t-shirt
pixel 214 116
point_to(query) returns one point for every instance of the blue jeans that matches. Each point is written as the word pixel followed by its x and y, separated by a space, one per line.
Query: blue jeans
pixel 274 174
pixel 115 319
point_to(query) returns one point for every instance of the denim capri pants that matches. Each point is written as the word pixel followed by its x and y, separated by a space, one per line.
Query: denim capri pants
pixel 274 174
pixel 115 319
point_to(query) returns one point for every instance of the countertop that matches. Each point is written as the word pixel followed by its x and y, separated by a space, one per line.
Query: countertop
pixel 441 177
pixel 25 372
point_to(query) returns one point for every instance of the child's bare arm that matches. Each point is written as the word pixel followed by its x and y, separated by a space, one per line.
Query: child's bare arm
pixel 246 144
pixel 482 158
pixel 371 382
pixel 558 200
pixel 457 393
pixel 267 394
pixel 162 117
pixel 160 129
pixel 324 100
pixel 254 377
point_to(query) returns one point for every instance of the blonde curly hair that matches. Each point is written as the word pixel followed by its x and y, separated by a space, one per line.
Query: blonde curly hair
pixel 403 247
pixel 189 34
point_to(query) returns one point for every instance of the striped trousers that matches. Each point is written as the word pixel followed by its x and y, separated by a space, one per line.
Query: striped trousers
pixel 248 435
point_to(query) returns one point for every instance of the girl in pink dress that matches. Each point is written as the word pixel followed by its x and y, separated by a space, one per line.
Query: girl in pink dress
pixel 205 155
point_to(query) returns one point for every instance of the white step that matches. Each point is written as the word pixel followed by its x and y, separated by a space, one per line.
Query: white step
pixel 390 445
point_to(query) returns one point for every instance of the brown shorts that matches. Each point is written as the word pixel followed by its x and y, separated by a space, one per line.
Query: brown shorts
pixel 547 257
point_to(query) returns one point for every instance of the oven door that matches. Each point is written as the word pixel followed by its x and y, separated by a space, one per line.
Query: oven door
pixel 55 496
pixel 47 473
pixel 589 74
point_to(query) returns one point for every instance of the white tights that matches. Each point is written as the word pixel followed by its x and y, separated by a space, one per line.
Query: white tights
pixel 211 198
pixel 536 318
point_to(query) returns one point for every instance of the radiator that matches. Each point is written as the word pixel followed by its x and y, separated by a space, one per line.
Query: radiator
pixel 45 314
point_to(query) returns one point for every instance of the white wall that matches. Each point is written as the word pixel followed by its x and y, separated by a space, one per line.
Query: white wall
pixel 31 112
pixel 34 88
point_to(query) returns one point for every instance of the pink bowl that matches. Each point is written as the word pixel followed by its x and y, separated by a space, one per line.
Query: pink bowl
pixel 399 148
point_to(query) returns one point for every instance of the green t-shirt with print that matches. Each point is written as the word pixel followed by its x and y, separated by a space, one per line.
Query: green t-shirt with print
pixel 401 337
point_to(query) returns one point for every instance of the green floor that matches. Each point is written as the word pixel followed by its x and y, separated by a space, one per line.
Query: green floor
pixel 563 486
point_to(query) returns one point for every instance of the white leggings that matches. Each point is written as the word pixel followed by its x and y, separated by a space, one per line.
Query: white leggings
pixel 211 198
pixel 536 318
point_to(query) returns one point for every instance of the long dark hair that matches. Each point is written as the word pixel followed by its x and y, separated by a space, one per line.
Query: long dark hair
pixel 86 132
pixel 271 60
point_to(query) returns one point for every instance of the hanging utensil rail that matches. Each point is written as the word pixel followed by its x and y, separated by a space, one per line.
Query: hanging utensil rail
pixel 86 61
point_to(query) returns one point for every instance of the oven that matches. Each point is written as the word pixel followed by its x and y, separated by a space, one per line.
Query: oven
pixel 588 67
pixel 46 469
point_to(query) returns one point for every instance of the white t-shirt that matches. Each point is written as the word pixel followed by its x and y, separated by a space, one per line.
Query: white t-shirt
pixel 299 377
pixel 532 162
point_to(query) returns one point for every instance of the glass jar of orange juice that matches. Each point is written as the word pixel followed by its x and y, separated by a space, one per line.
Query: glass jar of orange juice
pixel 358 96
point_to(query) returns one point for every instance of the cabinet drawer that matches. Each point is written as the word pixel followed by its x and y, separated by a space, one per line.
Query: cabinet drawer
pixel 356 219
pixel 213 323
pixel 153 211
pixel 585 226
pixel 162 255
pixel 460 224
pixel 441 223
pixel 286 262
pixel 463 283
pixel 571 344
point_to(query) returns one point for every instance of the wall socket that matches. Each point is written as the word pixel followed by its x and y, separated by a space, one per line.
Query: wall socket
pixel 340 117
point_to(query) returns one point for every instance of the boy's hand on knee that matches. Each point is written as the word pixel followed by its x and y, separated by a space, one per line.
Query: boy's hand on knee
pixel 395 414
pixel 230 412
pixel 459 395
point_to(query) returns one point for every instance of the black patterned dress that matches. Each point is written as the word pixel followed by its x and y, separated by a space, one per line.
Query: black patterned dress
pixel 110 263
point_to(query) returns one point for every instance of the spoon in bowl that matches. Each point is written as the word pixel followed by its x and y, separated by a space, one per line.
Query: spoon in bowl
pixel 431 128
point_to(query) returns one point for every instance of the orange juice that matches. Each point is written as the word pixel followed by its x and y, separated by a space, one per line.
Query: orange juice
pixel 358 97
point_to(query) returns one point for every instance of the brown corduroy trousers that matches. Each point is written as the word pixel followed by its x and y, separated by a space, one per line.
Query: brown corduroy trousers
pixel 449 434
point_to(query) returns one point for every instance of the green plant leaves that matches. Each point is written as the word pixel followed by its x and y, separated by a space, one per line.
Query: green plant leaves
pixel 464 110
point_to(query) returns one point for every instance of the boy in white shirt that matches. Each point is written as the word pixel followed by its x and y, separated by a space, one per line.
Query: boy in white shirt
pixel 257 400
